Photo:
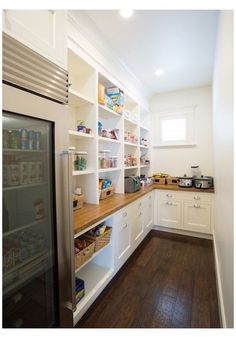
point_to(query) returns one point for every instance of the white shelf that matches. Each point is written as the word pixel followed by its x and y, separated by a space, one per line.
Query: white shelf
pixel 77 99
pixel 131 167
pixel 144 165
pixel 144 147
pixel 25 186
pixel 94 276
pixel 109 169
pixel 9 150
pixel 144 128
pixel 76 135
pixel 106 139
pixel 131 144
pixel 23 227
pixel 82 172
pixel 107 113
pixel 130 121
pixel 91 258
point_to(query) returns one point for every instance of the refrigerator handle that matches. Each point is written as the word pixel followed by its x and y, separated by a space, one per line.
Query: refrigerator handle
pixel 69 229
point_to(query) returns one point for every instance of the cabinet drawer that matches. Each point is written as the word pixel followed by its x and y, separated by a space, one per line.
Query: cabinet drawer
pixel 185 195
pixel 168 195
pixel 197 217
pixel 169 213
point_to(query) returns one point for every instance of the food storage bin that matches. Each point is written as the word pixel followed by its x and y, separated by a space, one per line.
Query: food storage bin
pixel 80 160
pixel 105 162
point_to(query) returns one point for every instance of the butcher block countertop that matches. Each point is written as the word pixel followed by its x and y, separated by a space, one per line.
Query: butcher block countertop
pixel 92 213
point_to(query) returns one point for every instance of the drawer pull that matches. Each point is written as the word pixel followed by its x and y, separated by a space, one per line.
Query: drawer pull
pixel 140 214
pixel 150 197
pixel 169 203
pixel 196 197
pixel 196 206
pixel 168 195
pixel 125 226
pixel 124 214
pixel 140 204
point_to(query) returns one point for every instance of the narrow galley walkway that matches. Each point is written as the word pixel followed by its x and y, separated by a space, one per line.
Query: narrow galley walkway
pixel 169 282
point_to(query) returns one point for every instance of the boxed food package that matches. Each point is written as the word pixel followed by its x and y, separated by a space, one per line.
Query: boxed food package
pixel 101 93
pixel 78 201
pixel 117 97
pixel 79 289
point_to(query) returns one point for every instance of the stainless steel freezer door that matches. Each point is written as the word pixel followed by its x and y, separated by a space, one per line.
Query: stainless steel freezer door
pixel 21 102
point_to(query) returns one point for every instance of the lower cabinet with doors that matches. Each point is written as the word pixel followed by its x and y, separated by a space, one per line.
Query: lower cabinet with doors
pixel 184 210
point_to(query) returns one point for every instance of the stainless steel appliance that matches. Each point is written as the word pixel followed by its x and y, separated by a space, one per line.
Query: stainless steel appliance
pixel 203 182
pixel 132 183
pixel 185 182
pixel 36 285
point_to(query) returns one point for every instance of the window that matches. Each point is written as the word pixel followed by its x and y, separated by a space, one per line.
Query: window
pixel 175 128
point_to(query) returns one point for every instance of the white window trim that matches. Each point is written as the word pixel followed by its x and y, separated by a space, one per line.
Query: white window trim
pixel 189 113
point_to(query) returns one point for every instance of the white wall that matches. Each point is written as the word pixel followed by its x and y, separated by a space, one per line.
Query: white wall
pixel 177 161
pixel 223 163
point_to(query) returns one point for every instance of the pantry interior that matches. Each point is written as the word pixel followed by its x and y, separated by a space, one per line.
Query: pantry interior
pixel 111 144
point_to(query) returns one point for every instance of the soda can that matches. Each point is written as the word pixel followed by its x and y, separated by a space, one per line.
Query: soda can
pixel 38 140
pixel 31 139
pixel 24 139
pixel 13 139
pixel 5 138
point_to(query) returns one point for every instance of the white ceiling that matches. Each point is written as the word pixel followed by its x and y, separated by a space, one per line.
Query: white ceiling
pixel 181 42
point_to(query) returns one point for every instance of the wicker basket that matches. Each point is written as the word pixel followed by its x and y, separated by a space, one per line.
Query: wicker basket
pixel 82 256
pixel 172 180
pixel 102 240
pixel 159 180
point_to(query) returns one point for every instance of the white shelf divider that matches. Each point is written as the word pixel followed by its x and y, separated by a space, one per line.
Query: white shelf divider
pixel 77 134
pixel 77 99
pixel 106 139
pixel 83 172
pixel 107 113
pixel 109 169
pixel 130 144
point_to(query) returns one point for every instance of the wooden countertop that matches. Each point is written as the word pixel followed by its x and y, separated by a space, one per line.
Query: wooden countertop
pixel 92 213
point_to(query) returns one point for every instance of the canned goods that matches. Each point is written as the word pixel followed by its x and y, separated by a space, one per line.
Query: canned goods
pixel 24 139
pixel 5 137
pixel 38 140
pixel 13 139
pixel 31 139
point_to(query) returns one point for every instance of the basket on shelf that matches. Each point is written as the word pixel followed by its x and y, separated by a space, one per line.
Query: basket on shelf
pixel 82 256
pixel 172 180
pixel 107 192
pixel 102 240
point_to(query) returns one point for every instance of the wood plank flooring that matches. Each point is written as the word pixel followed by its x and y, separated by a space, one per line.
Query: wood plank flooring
pixel 168 282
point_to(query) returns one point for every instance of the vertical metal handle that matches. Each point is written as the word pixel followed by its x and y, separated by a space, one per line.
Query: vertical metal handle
pixel 68 203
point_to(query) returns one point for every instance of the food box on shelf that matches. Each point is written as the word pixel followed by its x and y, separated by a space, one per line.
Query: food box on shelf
pixel 78 201
pixel 101 235
pixel 79 289
pixel 107 192
pixel 84 249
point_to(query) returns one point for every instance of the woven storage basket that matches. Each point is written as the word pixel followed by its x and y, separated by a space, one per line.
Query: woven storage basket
pixel 102 240
pixel 82 256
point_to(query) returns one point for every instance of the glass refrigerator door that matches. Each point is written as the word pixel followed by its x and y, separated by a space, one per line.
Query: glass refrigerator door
pixel 30 294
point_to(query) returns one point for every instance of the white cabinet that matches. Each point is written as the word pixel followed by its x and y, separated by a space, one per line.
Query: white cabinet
pixel 147 210
pixel 184 210
pixel 197 217
pixel 44 31
pixel 169 213
pixel 137 223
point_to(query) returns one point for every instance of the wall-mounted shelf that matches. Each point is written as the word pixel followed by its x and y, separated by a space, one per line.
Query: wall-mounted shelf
pixel 107 113
pixel 130 144
pixel 144 147
pixel 77 99
pixel 108 170
pixel 106 139
pixel 82 172
pixel 130 122
pixel 132 167
pixel 77 135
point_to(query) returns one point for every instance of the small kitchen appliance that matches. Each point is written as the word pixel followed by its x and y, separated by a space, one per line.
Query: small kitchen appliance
pixel 132 183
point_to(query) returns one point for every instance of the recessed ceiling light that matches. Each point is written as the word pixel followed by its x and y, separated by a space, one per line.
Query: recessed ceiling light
pixel 126 13
pixel 159 72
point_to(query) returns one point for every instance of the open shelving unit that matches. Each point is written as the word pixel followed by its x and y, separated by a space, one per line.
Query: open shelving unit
pixel 84 109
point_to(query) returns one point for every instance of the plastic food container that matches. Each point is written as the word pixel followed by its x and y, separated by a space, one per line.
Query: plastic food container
pixel 105 162
pixel 80 160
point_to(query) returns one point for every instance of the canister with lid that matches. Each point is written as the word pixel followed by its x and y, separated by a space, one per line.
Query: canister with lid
pixel 113 161
pixel 105 163
pixel 80 160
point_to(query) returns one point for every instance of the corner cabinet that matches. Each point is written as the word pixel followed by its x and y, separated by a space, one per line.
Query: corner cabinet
pixel 190 211
pixel 44 31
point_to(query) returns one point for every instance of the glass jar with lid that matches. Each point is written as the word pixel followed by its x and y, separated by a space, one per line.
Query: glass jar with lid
pixel 104 161
pixel 80 160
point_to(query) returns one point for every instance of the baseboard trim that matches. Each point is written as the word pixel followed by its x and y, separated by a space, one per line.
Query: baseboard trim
pixel 219 287
pixel 182 232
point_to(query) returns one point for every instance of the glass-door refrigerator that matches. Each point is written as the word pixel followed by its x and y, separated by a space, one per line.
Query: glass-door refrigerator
pixel 29 243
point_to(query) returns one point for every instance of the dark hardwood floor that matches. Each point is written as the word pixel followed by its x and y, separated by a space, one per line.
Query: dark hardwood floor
pixel 169 282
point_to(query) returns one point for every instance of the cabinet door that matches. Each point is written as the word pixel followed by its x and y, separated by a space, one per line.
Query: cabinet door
pixel 137 223
pixel 197 217
pixel 147 210
pixel 169 213
pixel 44 31
pixel 122 239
